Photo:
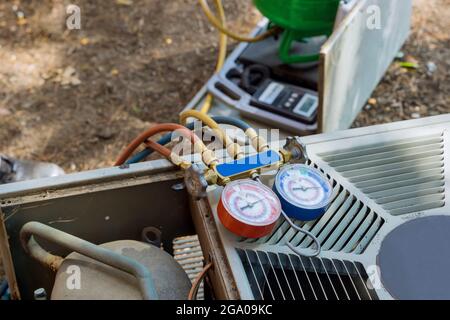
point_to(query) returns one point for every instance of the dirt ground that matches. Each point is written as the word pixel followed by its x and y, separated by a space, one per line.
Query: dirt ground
pixel 413 93
pixel 77 97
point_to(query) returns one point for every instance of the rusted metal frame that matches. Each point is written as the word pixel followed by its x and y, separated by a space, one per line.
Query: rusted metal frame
pixel 7 261
pixel 220 275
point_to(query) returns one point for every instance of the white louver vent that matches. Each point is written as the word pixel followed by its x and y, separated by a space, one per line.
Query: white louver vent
pixel 275 276
pixel 383 177
pixel 347 226
pixel 404 176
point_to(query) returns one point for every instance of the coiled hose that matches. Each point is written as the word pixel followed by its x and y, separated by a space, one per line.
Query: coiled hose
pixel 218 25
pixel 220 58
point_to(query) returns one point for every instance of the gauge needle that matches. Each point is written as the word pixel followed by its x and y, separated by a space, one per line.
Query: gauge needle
pixel 305 188
pixel 250 205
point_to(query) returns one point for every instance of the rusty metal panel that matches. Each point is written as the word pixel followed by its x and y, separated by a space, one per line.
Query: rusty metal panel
pixel 99 206
pixel 221 277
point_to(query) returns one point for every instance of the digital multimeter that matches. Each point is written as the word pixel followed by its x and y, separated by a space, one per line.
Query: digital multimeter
pixel 287 100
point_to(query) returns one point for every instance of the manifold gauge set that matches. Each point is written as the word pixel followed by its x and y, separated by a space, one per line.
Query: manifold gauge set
pixel 246 207
pixel 250 209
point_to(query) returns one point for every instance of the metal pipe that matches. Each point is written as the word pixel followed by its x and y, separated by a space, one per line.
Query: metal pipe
pixel 85 248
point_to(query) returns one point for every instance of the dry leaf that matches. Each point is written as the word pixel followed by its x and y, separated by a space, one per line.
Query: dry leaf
pixel 21 21
pixel 67 77
pixel 4 112
pixel 84 41
pixel 124 2
pixel 372 101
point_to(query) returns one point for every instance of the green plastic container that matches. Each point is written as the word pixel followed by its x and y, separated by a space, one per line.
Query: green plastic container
pixel 300 19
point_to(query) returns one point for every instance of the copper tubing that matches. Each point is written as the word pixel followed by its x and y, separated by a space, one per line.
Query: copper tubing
pixel 158 148
pixel 197 281
pixel 144 138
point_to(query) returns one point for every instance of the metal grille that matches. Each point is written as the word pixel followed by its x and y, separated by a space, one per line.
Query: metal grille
pixel 277 276
pixel 347 226
pixel 403 176
pixel 188 253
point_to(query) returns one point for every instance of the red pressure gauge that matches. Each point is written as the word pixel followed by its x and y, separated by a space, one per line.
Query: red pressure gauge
pixel 248 208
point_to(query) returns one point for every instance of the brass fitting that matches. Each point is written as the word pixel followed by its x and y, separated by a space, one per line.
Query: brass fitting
pixel 235 151
pixel 221 181
pixel 199 147
pixel 209 157
pixel 211 176
pixel 185 165
pixel 176 159
pixel 259 143
pixel 286 155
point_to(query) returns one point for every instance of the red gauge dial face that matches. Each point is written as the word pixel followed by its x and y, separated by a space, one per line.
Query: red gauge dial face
pixel 251 202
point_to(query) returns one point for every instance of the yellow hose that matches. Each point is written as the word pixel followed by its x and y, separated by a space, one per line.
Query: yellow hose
pixel 223 37
pixel 207 104
pixel 220 24
pixel 233 149
pixel 221 57
pixel 216 23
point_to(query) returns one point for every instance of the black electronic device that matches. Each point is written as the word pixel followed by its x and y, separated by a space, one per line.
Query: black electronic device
pixel 261 87
pixel 294 102
pixel 287 100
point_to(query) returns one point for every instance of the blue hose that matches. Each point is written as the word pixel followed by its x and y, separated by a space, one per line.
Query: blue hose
pixel 232 122
pixel 168 137
pixel 4 294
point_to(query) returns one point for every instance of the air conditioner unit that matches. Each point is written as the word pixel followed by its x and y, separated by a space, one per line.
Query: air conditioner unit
pixel 385 235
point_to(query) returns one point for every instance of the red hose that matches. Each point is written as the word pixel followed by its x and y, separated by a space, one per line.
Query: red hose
pixel 147 134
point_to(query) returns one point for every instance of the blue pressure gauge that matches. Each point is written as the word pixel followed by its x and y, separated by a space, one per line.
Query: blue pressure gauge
pixel 304 192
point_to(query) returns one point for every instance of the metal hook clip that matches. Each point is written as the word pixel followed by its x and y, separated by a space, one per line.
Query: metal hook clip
pixel 307 233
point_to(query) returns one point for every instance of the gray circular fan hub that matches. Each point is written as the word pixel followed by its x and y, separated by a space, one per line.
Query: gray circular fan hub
pixel 414 259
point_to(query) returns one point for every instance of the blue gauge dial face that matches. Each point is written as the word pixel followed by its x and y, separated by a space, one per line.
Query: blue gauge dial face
pixel 303 186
